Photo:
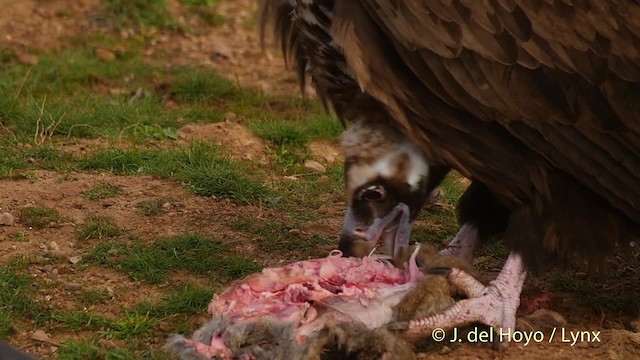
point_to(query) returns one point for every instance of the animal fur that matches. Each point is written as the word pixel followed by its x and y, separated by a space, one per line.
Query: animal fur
pixel 265 340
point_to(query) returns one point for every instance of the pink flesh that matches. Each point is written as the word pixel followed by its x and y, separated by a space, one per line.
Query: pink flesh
pixel 347 289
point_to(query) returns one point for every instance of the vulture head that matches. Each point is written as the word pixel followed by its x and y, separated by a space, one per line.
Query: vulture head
pixel 388 179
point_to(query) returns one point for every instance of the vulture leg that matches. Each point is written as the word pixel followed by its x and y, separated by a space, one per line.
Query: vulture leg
pixel 463 244
pixel 494 305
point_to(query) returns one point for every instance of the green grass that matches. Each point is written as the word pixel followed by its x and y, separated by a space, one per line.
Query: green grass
pixel 201 168
pixel 186 300
pixel 138 13
pixel 93 297
pixel 20 236
pixel 10 164
pixel 152 207
pixel 590 294
pixel 130 326
pixel 194 85
pixel 297 133
pixel 276 237
pixel 16 297
pixel 39 217
pixel 102 191
pixel 194 253
pixel 92 350
pixel 200 2
pixel 98 227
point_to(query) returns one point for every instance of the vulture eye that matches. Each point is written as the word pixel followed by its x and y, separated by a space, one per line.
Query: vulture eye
pixel 373 193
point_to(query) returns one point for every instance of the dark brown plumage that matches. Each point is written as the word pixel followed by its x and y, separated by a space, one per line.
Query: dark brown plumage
pixel 535 101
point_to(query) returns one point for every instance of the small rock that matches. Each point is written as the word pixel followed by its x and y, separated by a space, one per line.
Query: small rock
pixel 324 209
pixel 73 286
pixel 221 52
pixel 54 246
pixel 314 166
pixel 75 259
pixel 164 326
pixel 27 59
pixel 325 151
pixel 41 336
pixel 231 117
pixel 436 195
pixel 582 345
pixel 6 219
pixel 445 350
pixel 541 319
pixel 105 55
pixel 295 232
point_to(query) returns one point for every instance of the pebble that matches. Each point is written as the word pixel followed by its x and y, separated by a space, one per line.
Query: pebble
pixel 73 286
pixel 106 55
pixel 40 335
pixel 295 232
pixel 75 259
pixel 6 219
pixel 221 52
pixel 314 166
pixel 54 246
pixel 27 59
pixel 325 152
pixel 543 319
pixel 324 209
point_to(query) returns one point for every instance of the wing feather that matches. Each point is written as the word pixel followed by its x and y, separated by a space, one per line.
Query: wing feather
pixel 561 76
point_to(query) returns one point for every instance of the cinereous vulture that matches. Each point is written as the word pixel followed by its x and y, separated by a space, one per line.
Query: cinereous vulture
pixel 537 102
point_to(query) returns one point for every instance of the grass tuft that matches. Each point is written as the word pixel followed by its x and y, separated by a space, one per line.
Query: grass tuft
pixel 93 297
pixel 186 300
pixel 152 207
pixel 201 168
pixel 75 350
pixel 16 297
pixel 137 13
pixel 98 227
pixel 194 253
pixel 39 217
pixel 194 85
pixel 103 191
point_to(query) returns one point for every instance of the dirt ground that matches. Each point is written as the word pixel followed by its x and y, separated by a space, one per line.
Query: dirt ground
pixel 30 26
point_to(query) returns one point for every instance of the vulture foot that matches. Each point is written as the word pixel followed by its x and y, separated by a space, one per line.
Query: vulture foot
pixel 463 244
pixel 494 305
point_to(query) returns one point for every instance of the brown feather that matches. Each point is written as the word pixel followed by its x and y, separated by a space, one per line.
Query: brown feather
pixel 566 112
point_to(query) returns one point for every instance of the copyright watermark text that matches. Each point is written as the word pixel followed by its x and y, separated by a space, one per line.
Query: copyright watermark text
pixel 570 337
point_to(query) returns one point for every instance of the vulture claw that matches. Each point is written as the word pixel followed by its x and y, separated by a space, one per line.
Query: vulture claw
pixel 494 305
pixel 463 244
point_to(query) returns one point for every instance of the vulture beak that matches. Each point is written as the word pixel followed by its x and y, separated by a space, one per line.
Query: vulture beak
pixel 392 231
